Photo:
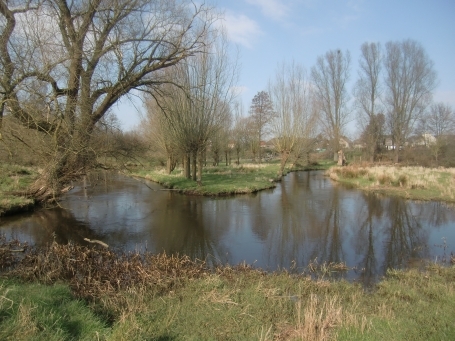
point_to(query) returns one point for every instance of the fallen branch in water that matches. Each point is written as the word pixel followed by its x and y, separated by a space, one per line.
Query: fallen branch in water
pixel 96 241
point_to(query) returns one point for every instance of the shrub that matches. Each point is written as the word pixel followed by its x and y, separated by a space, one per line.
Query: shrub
pixel 384 179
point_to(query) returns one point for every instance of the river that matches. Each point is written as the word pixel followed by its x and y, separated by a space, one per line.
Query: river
pixel 306 218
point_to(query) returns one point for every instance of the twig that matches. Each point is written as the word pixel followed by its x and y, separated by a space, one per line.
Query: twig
pixel 96 241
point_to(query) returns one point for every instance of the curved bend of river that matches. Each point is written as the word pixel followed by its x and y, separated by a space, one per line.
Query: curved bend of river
pixel 305 218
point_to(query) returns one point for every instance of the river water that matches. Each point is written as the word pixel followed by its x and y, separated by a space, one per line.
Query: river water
pixel 306 218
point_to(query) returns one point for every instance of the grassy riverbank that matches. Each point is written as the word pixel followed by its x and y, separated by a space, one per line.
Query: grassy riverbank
pixel 74 293
pixel 219 180
pixel 409 182
pixel 223 180
pixel 15 179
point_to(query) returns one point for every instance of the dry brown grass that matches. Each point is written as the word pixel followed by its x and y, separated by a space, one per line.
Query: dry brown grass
pixel 94 272
pixel 432 183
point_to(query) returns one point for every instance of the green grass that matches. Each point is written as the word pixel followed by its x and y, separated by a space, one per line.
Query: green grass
pixel 239 305
pixel 32 311
pixel 97 294
pixel 222 180
pixel 410 182
pixel 15 179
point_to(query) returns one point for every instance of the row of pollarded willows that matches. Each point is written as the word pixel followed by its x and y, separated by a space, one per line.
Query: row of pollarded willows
pixel 67 292
pixel 410 182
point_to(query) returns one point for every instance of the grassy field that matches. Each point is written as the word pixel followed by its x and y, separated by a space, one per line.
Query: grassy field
pixel 223 180
pixel 74 293
pixel 410 182
pixel 13 180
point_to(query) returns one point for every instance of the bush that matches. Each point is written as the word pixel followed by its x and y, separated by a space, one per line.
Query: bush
pixel 384 179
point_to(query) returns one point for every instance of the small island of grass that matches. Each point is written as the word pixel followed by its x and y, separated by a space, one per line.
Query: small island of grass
pixel 224 180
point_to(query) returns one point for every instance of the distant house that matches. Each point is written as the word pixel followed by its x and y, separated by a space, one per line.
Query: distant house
pixel 425 140
pixel 358 144
pixel 428 139
pixel 389 144
pixel 267 144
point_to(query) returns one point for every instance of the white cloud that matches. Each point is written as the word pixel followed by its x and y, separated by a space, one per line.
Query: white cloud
pixel 238 90
pixel 354 9
pixel 241 29
pixel 275 9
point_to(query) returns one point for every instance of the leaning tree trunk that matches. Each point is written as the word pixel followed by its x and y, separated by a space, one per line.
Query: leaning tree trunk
pixel 57 175
pixel 284 158
pixel 68 162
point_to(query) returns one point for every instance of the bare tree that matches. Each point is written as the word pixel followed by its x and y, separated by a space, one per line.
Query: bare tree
pixel 330 76
pixel 261 112
pixel 294 124
pixel 78 58
pixel 156 129
pixel 367 94
pixel 438 122
pixel 199 106
pixel 410 79
pixel 238 130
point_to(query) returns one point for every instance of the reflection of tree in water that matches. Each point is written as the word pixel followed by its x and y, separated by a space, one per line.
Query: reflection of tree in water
pixel 188 232
pixel 291 214
pixel 331 243
pixel 60 225
pixel 405 237
pixel 436 213
pixel 364 241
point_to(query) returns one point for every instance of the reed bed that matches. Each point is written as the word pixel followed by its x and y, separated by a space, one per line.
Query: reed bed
pixel 412 182
pixel 95 272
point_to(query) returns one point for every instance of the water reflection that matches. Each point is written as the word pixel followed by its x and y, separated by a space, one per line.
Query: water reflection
pixel 306 218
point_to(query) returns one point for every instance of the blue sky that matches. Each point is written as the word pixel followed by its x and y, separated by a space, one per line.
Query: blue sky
pixel 269 32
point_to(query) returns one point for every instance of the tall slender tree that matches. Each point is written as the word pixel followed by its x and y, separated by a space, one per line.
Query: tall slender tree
pixel 409 80
pixel 261 113
pixel 330 76
pixel 367 94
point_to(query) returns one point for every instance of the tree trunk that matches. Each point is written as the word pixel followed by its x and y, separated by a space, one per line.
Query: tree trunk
pixel 169 164
pixel 284 159
pixel 186 166
pixel 193 165
pixel 200 165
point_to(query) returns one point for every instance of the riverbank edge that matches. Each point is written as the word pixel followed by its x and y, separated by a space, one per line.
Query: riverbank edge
pixel 147 297
pixel 23 204
pixel 28 205
pixel 168 183
pixel 418 194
